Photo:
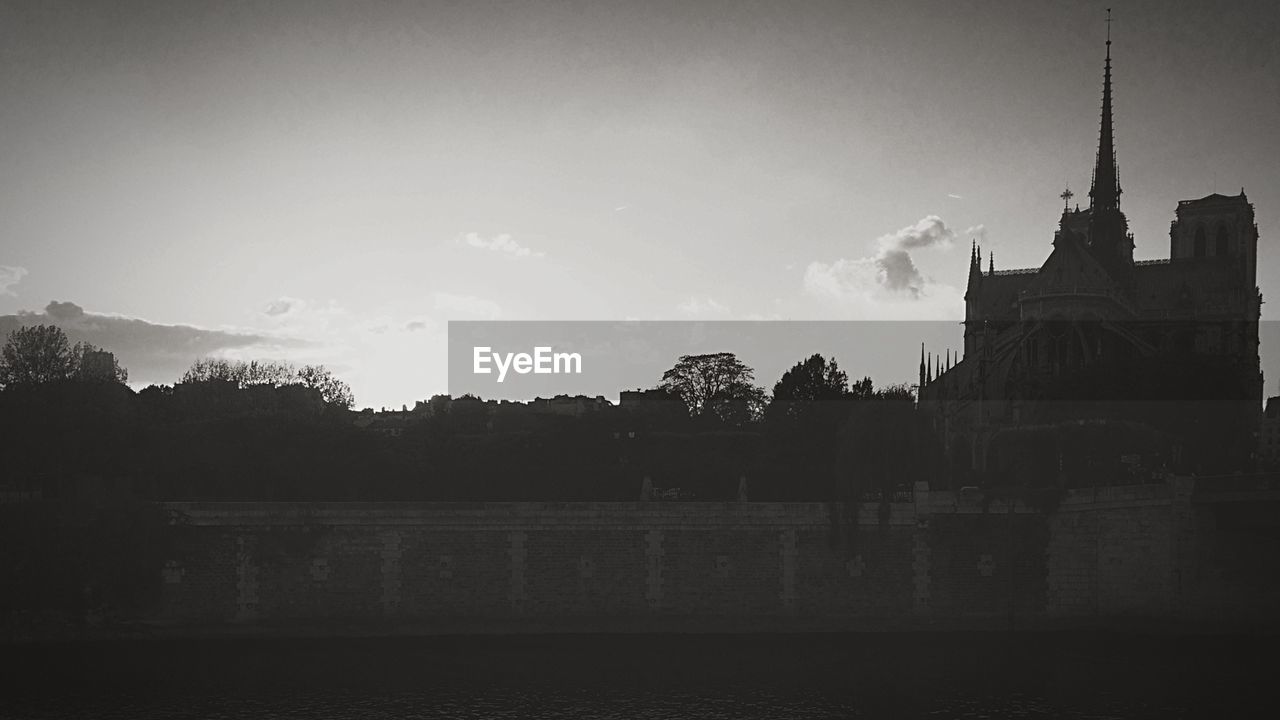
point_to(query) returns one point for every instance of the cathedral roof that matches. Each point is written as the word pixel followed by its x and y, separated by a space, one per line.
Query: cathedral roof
pixel 1216 197
pixel 1072 265
pixel 1213 202
pixel 997 295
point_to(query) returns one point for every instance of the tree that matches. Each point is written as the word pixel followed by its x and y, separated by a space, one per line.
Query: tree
pixel 211 369
pixel 900 392
pixel 813 380
pixel 335 392
pixel 715 385
pixel 275 374
pixel 887 445
pixel 810 403
pixel 36 354
pixel 258 373
pixel 93 364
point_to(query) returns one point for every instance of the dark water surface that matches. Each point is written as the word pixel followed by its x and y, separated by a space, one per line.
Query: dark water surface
pixel 917 675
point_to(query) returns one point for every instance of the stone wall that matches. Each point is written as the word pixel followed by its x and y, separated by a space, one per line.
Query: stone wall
pixel 945 560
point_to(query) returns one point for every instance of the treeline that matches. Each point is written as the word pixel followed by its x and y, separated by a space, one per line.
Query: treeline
pixel 68 439
pixel 247 431
pixel 209 438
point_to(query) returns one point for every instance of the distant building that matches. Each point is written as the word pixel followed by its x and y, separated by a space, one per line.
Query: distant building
pixel 391 423
pixel 509 414
pixel 438 404
pixel 570 405
pixel 652 403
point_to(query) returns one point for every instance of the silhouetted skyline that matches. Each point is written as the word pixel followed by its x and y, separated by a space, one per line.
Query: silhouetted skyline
pixel 331 183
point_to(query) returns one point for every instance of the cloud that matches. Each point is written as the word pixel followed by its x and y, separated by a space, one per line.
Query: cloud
pixel 153 353
pixel 703 307
pixel 64 312
pixel 953 196
pixel 499 243
pixel 843 278
pixel 928 231
pixel 465 307
pixel 890 276
pixel 977 232
pixel 283 306
pixel 10 275
pixel 891 269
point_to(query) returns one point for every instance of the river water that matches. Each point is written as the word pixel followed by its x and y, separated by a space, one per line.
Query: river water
pixel 910 675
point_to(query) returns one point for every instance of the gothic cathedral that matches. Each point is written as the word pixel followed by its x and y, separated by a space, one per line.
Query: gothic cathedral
pixel 1095 368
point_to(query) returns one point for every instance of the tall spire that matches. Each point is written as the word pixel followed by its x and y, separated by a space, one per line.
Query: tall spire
pixel 922 380
pixel 975 270
pixel 1109 237
pixel 1105 192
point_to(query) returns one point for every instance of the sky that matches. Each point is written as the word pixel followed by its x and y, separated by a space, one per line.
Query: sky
pixel 333 182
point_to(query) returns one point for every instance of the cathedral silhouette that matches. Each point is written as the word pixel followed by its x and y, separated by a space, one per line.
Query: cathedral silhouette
pixel 1095 367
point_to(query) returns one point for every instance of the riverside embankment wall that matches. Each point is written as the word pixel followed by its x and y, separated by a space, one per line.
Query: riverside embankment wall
pixel 946 559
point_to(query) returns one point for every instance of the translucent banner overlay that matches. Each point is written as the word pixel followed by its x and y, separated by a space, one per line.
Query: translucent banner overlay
pixel 524 360
pixel 617 356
